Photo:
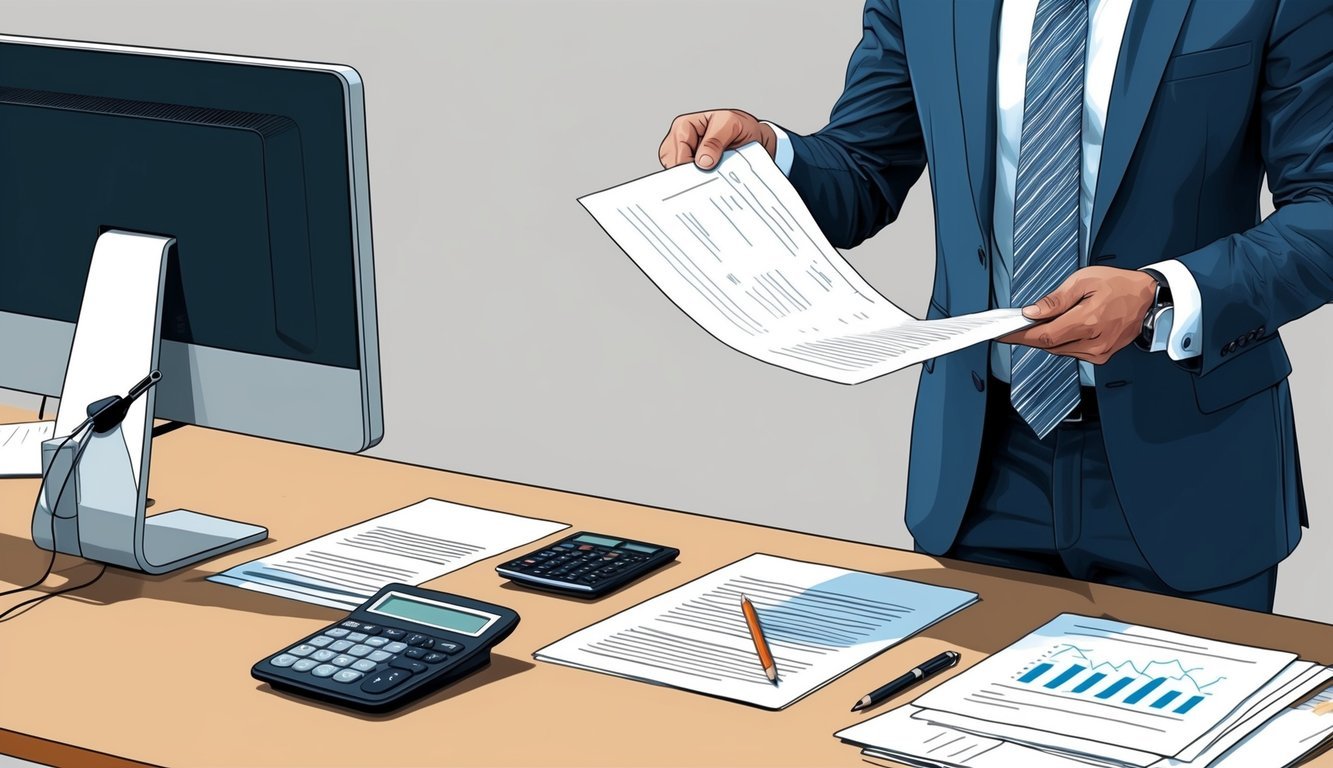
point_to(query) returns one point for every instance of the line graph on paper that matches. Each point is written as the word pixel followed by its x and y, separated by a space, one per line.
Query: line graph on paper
pixel 1163 684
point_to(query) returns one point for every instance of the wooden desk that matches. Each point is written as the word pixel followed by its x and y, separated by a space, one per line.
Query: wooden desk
pixel 156 669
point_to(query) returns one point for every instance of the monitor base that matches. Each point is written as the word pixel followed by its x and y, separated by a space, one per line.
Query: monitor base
pixel 94 494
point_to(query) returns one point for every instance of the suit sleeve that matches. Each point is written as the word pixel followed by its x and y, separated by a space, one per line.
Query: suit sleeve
pixel 1253 282
pixel 855 172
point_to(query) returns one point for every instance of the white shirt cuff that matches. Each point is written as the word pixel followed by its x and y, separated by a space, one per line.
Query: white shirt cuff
pixel 784 154
pixel 1186 339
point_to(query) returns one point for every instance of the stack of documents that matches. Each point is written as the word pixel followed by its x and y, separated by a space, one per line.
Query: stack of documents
pixel 412 545
pixel 1082 691
pixel 819 621
pixel 21 448
pixel 736 248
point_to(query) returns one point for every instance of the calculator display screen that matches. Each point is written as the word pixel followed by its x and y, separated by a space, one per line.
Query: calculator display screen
pixel 596 540
pixel 460 620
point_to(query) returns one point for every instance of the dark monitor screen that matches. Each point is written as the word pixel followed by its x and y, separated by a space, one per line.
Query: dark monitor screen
pixel 257 169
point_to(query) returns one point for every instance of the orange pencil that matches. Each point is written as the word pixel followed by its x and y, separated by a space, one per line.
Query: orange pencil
pixel 760 644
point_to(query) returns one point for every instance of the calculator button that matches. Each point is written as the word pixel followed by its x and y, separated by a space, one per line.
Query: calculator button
pixel 323 655
pixel 351 624
pixel 283 660
pixel 357 637
pixel 414 667
pixel 414 653
pixel 370 629
pixel 337 632
pixel 395 647
pixel 567 545
pixel 433 657
pixel 394 634
pixel 364 665
pixel 378 656
pixel 447 647
pixel 319 641
pixel 343 660
pixel 415 639
pixel 347 676
pixel 385 679
pixel 305 665
pixel 324 670
pixel 375 642
pixel 302 650
pixel 359 650
pixel 341 645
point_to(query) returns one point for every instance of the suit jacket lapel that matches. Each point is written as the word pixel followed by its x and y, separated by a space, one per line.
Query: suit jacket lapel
pixel 1150 36
pixel 976 29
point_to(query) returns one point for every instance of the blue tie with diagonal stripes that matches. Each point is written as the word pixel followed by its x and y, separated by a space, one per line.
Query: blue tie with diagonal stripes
pixel 1045 387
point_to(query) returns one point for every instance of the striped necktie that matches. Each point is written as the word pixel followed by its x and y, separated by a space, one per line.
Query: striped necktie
pixel 1045 387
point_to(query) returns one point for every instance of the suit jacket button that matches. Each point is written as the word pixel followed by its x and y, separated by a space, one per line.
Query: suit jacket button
pixel 978 382
pixel 981 255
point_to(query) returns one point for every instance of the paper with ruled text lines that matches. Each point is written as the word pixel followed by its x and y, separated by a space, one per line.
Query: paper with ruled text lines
pixel 819 621
pixel 737 250
pixel 411 545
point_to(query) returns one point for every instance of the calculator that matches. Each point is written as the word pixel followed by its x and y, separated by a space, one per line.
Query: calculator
pixel 399 645
pixel 587 564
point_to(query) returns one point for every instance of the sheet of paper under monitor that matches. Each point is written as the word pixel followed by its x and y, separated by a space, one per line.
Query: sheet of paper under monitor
pixel 21 448
pixel 737 250
pixel 820 622
pixel 411 545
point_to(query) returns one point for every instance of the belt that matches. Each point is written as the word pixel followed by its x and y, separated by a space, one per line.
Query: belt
pixel 1086 410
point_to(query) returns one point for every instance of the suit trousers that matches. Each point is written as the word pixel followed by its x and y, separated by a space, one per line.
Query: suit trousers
pixel 1050 506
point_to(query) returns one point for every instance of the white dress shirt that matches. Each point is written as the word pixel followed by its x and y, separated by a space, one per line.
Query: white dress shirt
pixel 1106 28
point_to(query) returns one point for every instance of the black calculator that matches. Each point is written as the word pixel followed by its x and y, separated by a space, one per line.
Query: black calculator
pixel 587 564
pixel 398 646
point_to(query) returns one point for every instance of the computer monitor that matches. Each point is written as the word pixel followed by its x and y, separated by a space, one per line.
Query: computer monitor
pixel 257 169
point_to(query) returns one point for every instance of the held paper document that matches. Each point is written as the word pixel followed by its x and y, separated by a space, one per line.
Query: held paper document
pixel 1087 686
pixel 819 621
pixel 738 251
pixel 412 545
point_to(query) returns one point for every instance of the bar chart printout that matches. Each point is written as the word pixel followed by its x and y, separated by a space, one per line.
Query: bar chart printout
pixel 1108 682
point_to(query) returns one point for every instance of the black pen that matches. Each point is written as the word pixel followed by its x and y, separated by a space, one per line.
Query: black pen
pixel 899 684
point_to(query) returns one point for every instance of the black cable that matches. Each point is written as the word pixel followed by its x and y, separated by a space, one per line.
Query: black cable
pixel 78 453
pixel 49 595
pixel 41 410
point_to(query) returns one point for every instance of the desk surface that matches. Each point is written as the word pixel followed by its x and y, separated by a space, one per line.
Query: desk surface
pixel 156 668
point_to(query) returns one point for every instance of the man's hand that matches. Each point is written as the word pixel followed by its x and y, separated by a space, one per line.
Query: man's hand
pixel 1091 316
pixel 702 137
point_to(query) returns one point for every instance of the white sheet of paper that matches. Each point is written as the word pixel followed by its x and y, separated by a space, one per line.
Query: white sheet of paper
pixel 21 448
pixel 820 622
pixel 1088 685
pixel 411 545
pixel 897 735
pixel 1273 742
pixel 737 250
pixel 1287 738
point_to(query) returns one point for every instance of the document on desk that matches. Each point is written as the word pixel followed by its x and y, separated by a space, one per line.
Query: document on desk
pixel 21 448
pixel 1120 693
pixel 819 621
pixel 737 250
pixel 1268 740
pixel 411 545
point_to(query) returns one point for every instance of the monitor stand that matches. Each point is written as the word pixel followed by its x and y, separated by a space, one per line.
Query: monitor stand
pixel 100 515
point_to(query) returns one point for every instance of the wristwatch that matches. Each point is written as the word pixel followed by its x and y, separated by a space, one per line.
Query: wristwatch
pixel 1161 313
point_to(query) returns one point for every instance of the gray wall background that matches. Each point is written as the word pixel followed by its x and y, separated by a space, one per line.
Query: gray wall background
pixel 518 341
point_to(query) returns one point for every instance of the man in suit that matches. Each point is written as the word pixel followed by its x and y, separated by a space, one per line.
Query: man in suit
pixel 1097 162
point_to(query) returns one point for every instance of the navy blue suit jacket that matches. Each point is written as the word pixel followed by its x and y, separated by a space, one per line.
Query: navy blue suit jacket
pixel 1207 97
